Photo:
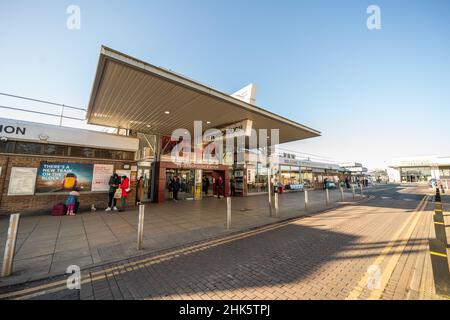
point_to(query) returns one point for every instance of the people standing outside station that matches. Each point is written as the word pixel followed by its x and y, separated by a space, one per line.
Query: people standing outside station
pixel 71 201
pixel 140 191
pixel 175 186
pixel 219 186
pixel 232 187
pixel 114 183
pixel 441 185
pixel 347 183
pixel 125 186
pixel 205 184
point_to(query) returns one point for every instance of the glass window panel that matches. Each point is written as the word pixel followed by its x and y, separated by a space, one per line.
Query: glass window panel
pixel 28 148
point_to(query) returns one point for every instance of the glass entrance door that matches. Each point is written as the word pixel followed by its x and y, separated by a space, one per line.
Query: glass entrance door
pixel 187 183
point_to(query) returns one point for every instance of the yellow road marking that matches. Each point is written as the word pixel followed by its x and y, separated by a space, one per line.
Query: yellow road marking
pixel 387 272
pixel 438 254
pixel 356 292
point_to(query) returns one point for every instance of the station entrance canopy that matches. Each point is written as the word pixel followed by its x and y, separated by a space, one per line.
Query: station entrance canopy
pixel 132 94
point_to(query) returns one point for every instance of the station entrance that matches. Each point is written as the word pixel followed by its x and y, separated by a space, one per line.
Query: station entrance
pixel 196 181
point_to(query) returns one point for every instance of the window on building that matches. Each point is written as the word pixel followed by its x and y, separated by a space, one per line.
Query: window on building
pixel 55 150
pixel 7 146
pixel 82 152
pixel 444 172
pixel 28 148
pixel 20 147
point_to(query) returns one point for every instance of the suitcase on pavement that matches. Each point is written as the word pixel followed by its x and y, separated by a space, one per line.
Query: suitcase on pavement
pixel 59 209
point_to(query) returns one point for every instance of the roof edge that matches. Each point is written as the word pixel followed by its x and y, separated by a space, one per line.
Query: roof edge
pixel 108 53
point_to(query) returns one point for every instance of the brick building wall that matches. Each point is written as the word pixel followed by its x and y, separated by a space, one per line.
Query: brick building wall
pixel 42 203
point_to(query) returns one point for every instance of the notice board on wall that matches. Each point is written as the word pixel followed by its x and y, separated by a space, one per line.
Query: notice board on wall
pixel 100 176
pixel 22 181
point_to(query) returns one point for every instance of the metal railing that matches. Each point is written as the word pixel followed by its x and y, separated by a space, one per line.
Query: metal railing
pixel 59 115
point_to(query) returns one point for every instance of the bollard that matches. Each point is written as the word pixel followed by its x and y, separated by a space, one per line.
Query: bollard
pixel 306 199
pixel 140 239
pixel 276 204
pixel 362 193
pixel 10 245
pixel 327 197
pixel 342 194
pixel 228 213
pixel 353 192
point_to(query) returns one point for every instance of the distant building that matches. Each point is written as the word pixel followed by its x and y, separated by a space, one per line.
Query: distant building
pixel 379 175
pixel 356 170
pixel 419 169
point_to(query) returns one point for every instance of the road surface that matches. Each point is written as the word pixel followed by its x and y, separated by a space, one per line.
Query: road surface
pixel 376 249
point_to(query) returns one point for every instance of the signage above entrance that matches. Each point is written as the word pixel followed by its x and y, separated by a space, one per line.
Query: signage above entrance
pixel 238 129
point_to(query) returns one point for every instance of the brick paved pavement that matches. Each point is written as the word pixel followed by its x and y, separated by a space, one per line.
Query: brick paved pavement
pixel 324 256
pixel 46 245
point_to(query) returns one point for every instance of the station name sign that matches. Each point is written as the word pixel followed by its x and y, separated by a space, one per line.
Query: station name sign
pixel 242 128
pixel 15 130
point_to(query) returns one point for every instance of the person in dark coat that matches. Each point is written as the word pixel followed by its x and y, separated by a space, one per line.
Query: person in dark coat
pixel 205 183
pixel 347 183
pixel 114 183
pixel 175 186
pixel 219 187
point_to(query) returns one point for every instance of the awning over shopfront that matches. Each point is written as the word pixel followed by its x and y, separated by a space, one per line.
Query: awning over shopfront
pixel 131 94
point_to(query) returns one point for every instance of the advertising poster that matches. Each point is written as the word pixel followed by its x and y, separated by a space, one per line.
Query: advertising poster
pixel 124 173
pixel 100 176
pixel 22 181
pixel 63 177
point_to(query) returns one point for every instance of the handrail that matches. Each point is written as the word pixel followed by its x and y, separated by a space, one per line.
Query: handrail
pixel 41 101
pixel 43 113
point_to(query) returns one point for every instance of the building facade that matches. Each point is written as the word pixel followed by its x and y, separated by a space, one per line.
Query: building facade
pixel 419 169
pixel 35 158
pixel 165 110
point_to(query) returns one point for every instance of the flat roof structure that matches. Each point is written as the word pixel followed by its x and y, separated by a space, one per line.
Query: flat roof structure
pixel 132 94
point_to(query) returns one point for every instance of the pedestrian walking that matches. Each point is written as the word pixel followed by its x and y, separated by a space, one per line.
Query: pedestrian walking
pixel 347 183
pixel 219 186
pixel 175 186
pixel 441 185
pixel 205 185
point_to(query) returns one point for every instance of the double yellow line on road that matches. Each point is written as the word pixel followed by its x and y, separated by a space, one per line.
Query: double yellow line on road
pixel 411 221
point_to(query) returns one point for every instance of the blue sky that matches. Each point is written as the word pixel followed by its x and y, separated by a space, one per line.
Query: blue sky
pixel 374 94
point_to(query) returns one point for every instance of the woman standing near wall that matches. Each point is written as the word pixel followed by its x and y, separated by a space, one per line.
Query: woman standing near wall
pixel 140 191
pixel 125 186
